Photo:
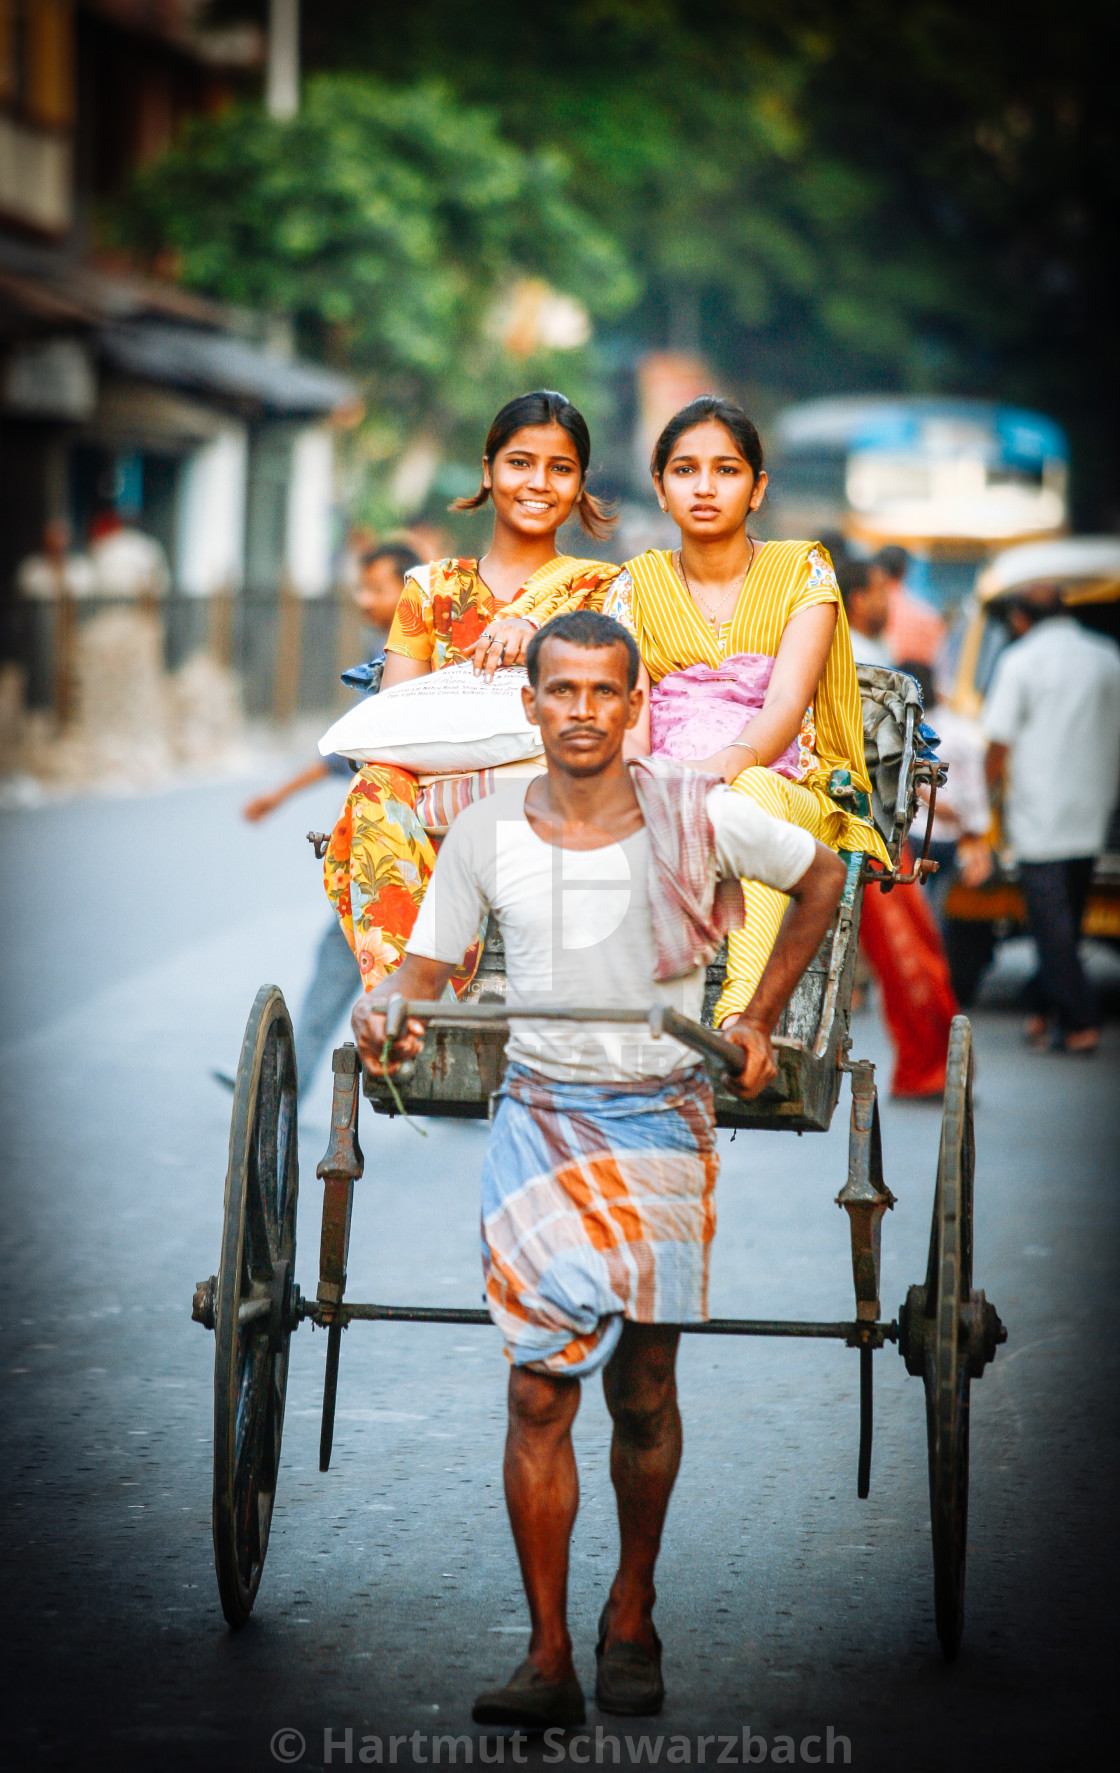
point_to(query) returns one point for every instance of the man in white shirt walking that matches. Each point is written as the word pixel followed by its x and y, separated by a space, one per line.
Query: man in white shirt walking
pixel 1052 720
pixel 598 1206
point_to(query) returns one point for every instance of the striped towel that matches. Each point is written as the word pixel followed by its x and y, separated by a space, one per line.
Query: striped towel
pixel 598 1204
pixel 691 908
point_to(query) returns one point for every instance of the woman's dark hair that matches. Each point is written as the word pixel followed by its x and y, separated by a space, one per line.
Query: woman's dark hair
pixel 709 406
pixel 545 407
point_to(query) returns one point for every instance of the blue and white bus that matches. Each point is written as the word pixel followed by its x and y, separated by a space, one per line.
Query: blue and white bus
pixel 952 481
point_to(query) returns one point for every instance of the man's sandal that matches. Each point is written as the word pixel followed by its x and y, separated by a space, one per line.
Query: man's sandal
pixel 531 1702
pixel 628 1682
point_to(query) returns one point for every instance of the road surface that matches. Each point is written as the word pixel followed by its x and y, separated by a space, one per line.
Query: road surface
pixel 136 933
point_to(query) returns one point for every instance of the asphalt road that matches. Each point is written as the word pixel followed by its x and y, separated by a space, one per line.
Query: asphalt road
pixel 135 935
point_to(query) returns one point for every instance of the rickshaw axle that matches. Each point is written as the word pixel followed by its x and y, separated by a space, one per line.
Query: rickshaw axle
pixel 853 1334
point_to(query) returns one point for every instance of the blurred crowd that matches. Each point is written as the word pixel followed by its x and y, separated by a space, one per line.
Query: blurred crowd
pixel 1035 778
pixel 118 560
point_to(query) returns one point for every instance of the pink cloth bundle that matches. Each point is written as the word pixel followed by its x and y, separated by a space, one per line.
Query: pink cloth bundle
pixel 696 712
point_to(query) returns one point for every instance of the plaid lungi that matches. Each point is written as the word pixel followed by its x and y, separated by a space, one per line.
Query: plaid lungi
pixel 598 1204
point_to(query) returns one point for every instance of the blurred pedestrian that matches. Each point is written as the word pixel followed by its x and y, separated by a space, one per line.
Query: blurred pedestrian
pixel 380 584
pixel 126 561
pixel 57 570
pixel 1052 720
pixel 914 630
pixel 336 980
pixel 865 600
pixel 376 595
pixel 962 813
pixel 51 582
pixel 961 843
pixel 898 936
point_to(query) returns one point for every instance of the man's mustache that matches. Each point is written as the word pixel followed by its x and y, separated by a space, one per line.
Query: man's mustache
pixel 582 731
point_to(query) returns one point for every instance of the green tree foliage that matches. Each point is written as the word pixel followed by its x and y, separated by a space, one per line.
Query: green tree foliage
pixel 902 194
pixel 911 195
pixel 388 222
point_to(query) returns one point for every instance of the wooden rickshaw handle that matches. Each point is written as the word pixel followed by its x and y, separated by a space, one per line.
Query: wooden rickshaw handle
pixel 660 1019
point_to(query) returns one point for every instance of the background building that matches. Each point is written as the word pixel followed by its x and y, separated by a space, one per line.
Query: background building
pixel 122 397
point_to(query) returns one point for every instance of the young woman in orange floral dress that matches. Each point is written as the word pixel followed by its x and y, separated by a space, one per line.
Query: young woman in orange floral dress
pixel 534 472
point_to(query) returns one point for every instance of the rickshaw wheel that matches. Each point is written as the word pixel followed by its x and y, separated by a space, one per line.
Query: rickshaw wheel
pixel 254 1307
pixel 948 1291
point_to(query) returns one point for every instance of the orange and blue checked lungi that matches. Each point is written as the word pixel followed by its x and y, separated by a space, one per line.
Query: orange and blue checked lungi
pixel 598 1204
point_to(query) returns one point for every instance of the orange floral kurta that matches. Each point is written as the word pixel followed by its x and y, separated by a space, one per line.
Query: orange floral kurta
pixel 380 856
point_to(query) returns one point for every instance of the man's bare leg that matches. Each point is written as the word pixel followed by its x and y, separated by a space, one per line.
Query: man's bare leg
pixel 640 1386
pixel 542 1496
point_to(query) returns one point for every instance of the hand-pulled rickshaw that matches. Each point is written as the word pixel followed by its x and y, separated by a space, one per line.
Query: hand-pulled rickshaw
pixel 946 1331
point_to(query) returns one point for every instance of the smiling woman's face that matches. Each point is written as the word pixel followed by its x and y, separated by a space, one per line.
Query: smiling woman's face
pixel 535 480
pixel 709 488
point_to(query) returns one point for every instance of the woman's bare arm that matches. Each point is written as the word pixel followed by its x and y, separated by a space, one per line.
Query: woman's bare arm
pixel 399 668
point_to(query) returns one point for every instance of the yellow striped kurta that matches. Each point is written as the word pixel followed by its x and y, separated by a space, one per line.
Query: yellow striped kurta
pixel 672 635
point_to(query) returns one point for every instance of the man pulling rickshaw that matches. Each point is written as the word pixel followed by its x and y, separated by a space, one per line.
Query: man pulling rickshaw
pixel 610 883
pixel 766 776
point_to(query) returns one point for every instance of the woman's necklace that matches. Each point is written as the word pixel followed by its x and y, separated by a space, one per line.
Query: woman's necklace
pixel 712 616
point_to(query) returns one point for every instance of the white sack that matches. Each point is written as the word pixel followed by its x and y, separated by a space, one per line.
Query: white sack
pixel 441 724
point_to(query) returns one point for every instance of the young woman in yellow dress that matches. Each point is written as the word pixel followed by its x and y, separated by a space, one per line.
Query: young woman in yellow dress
pixel 747 650
pixel 534 472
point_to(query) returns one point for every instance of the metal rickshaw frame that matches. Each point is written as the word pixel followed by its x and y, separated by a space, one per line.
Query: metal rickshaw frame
pixel 946 1332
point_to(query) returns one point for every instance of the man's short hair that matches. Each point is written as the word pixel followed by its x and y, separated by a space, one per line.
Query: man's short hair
pixel 587 628
pixel 1035 602
pixel 853 576
pixel 403 557
pixel 893 561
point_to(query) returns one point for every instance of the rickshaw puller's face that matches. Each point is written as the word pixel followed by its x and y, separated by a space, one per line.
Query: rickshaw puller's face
pixel 535 481
pixel 583 705
pixel 708 487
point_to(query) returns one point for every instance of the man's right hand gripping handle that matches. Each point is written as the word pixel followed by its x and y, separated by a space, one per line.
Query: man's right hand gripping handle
pixel 417 978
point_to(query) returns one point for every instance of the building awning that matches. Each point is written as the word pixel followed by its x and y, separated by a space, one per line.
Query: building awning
pixel 222 366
